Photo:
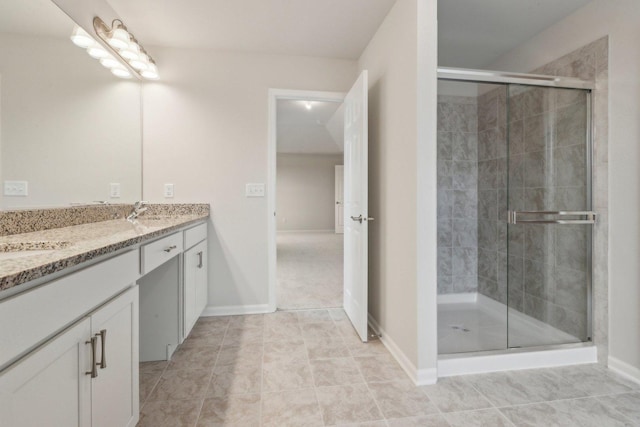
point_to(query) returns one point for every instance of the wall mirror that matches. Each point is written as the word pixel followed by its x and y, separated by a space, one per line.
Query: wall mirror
pixel 69 129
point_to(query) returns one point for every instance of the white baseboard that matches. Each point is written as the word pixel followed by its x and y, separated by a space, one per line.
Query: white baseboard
pixel 422 377
pixel 233 310
pixel 624 369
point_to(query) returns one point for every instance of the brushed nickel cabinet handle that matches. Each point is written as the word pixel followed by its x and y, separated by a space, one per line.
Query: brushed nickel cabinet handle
pixel 93 372
pixel 200 259
pixel 170 248
pixel 103 341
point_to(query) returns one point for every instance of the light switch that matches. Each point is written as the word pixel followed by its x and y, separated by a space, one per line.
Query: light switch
pixel 114 191
pixel 16 188
pixel 168 190
pixel 254 190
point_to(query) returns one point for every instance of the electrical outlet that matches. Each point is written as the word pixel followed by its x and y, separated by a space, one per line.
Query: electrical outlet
pixel 114 191
pixel 254 190
pixel 168 190
pixel 16 188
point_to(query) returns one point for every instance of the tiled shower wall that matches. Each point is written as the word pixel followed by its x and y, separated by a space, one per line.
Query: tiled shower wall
pixel 457 194
pixel 492 193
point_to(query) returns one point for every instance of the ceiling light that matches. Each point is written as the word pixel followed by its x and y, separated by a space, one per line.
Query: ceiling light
pixel 308 105
pixel 80 38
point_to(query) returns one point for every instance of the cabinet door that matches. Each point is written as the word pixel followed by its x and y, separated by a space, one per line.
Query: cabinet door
pixel 202 279
pixel 195 284
pixel 114 393
pixel 50 387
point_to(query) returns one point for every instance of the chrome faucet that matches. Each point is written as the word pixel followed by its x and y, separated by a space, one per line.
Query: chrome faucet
pixel 138 208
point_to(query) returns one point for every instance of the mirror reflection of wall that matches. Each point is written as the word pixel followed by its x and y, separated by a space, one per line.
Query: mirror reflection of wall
pixel 68 127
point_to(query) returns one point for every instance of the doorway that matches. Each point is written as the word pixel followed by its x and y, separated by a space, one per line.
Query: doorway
pixel 355 195
pixel 309 247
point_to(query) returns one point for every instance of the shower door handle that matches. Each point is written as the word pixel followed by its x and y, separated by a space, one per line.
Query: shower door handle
pixel 585 217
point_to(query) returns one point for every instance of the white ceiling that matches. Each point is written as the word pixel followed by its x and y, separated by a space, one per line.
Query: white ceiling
pixel 304 131
pixel 325 28
pixel 474 33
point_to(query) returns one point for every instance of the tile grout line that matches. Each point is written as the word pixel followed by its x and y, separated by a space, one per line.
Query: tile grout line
pixel 313 378
pixel 226 329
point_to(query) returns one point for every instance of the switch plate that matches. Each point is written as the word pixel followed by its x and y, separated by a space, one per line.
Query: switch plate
pixel 16 188
pixel 168 190
pixel 114 190
pixel 254 190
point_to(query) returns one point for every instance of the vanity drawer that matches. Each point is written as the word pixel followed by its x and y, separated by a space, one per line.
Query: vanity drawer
pixel 195 235
pixel 160 251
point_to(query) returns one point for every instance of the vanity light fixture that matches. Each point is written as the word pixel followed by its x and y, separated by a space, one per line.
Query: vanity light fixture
pixel 82 39
pixel 126 47
pixel 123 55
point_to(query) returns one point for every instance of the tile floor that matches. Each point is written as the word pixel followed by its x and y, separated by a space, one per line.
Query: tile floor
pixel 477 326
pixel 307 368
pixel 310 268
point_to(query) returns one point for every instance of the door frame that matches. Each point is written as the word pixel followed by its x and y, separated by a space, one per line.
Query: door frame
pixel 273 97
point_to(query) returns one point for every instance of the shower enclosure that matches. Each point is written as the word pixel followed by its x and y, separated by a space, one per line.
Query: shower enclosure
pixel 514 211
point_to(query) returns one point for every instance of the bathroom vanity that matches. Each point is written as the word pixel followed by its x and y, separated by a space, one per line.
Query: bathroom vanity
pixel 77 315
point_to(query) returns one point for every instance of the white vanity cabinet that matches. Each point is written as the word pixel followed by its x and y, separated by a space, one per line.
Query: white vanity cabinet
pixel 173 290
pixel 85 375
pixel 195 284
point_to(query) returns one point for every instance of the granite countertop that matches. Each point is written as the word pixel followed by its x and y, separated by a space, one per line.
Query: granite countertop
pixel 56 249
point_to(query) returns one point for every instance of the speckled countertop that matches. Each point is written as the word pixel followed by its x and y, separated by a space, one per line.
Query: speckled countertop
pixel 60 248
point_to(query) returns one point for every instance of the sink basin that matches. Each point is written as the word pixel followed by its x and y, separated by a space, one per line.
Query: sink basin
pixel 24 249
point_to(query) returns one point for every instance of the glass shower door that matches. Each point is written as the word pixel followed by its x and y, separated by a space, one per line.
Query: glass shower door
pixel 549 218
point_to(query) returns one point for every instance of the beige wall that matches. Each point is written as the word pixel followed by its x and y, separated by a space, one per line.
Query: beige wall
pixel 400 148
pixel 305 184
pixel 618 19
pixel 205 131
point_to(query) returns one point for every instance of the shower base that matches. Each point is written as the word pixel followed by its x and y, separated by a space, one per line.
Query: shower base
pixel 472 338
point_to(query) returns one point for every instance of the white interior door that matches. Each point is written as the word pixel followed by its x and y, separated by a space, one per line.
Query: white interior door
pixel 356 221
pixel 339 189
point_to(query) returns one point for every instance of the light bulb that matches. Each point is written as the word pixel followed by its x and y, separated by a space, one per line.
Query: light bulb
pixel 80 38
pixel 151 72
pixel 98 52
pixel 142 63
pixel 307 104
pixel 120 39
pixel 121 72
pixel 110 62
pixel 131 52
